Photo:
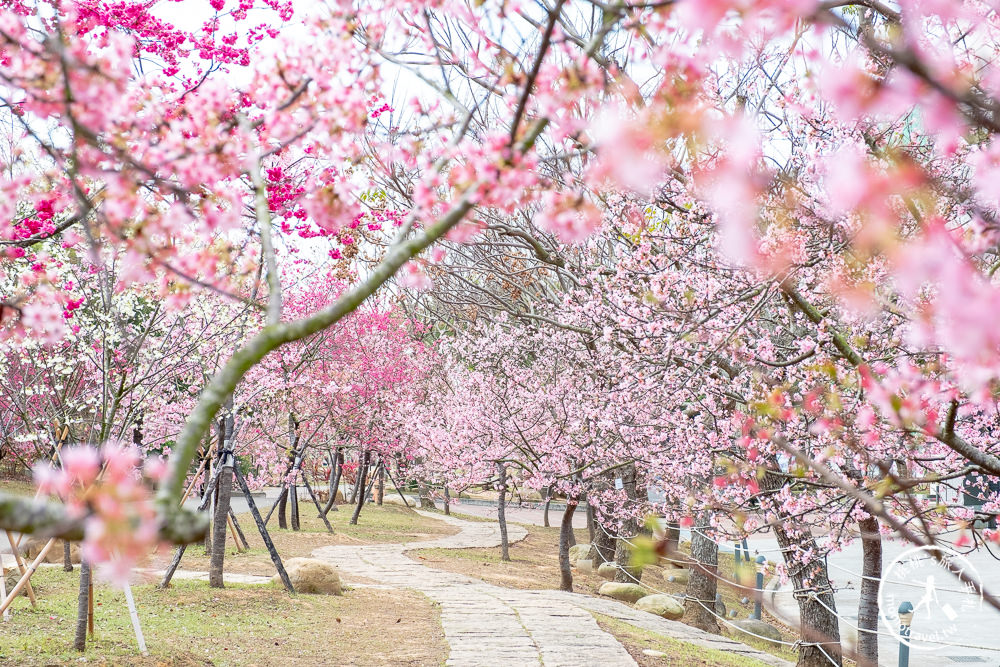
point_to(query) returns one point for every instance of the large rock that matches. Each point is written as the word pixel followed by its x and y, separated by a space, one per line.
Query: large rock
pixel 607 570
pixel 759 628
pixel 676 576
pixel 661 605
pixel 30 547
pixel 309 575
pixel 624 592
pixel 578 551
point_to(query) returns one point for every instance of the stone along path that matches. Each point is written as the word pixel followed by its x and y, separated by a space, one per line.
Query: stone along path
pixel 489 625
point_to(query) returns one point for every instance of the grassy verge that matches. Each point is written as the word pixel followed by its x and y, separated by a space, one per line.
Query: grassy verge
pixel 675 653
pixel 192 624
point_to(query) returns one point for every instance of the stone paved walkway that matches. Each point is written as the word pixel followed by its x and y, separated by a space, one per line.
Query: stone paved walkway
pixel 488 625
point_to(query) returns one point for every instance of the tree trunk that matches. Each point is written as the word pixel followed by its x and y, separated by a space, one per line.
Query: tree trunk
pixel 293 497
pixel 423 492
pixel 590 523
pixel 871 572
pixel 335 473
pixel 818 623
pixel 548 501
pixel 602 549
pixel 225 491
pixel 380 494
pixel 447 501
pixel 623 554
pixel 82 606
pixel 565 531
pixel 362 478
pixel 672 537
pixel 502 514
pixel 702 582
pixel 67 557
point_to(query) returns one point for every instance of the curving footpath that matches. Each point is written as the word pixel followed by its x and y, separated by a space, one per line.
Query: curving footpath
pixel 488 625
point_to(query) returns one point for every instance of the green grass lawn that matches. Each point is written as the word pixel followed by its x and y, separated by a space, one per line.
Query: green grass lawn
pixel 192 624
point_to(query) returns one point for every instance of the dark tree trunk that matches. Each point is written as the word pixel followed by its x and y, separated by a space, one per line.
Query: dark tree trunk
pixel 67 557
pixel 871 573
pixel 702 583
pixel 548 501
pixel 423 492
pixel 82 607
pixel 362 478
pixel 217 560
pixel 818 614
pixel 623 554
pixel 602 549
pixel 380 494
pixel 590 522
pixel 502 513
pixel 293 497
pixel 672 537
pixel 447 501
pixel 335 473
pixel 565 532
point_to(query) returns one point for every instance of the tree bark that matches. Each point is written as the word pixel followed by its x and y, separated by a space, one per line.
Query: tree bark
pixel 871 573
pixel 293 497
pixel 702 583
pixel 502 513
pixel 565 531
pixel 225 489
pixel 335 473
pixel 67 557
pixel 447 501
pixel 362 478
pixel 623 554
pixel 380 494
pixel 590 523
pixel 423 492
pixel 548 501
pixel 818 615
pixel 602 549
pixel 82 606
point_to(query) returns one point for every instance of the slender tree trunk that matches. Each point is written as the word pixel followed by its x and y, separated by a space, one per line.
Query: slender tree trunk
pixel 362 478
pixel 548 501
pixel 67 557
pixel 335 473
pixel 357 478
pixel 447 501
pixel 82 606
pixel 672 537
pixel 590 522
pixel 702 583
pixel 380 494
pixel 217 560
pixel 871 572
pixel 293 496
pixel 502 513
pixel 565 532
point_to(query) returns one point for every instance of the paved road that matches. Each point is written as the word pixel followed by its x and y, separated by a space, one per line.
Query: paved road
pixel 972 624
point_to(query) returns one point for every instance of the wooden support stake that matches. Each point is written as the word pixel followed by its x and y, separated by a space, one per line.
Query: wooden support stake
pixel 316 503
pixel 397 488
pixel 275 558
pixel 90 607
pixel 20 567
pixel 239 531
pixel 23 581
pixel 232 531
